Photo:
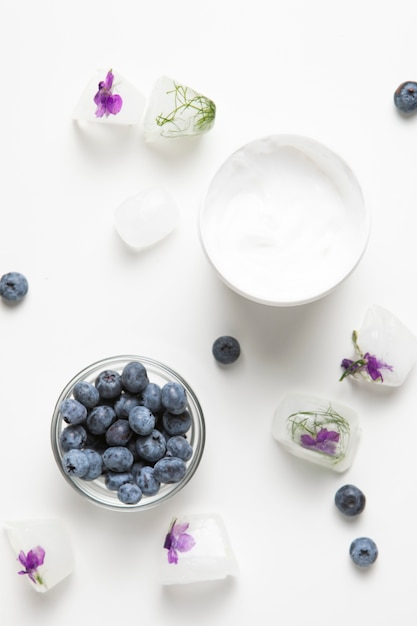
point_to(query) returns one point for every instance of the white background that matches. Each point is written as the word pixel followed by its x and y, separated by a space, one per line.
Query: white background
pixel 325 69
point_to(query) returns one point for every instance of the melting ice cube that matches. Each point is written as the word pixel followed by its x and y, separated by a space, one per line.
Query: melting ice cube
pixel 43 551
pixel 175 110
pixel 196 549
pixel 146 218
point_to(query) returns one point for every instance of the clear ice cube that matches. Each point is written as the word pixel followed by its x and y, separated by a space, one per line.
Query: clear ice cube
pixel 133 106
pixel 146 218
pixel 45 551
pixel 176 110
pixel 196 549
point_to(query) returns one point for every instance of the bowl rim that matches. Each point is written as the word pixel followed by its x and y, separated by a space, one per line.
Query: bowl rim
pixel 289 140
pixel 168 490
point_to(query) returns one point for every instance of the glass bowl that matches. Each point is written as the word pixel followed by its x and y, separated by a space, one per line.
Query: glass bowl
pixel 95 490
pixel 283 221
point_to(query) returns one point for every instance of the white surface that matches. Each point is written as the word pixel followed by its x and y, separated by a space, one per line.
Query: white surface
pixel 323 69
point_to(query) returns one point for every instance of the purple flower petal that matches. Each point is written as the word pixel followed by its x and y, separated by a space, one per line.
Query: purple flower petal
pixel 114 104
pixel 185 542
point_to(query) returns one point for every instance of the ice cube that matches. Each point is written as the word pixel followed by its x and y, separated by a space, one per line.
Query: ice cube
pixel 318 430
pixel 146 218
pixel 196 549
pixel 43 551
pixel 133 102
pixel 175 110
pixel 385 337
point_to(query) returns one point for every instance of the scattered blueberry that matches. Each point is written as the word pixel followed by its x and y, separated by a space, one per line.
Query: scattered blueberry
pixel 141 420
pixel 86 393
pixel 129 493
pixel 113 480
pixel 151 397
pixel 174 397
pixel 118 459
pixel 75 463
pixel 363 551
pixel 119 433
pixel 152 447
pixel 226 349
pixel 72 411
pixel 73 437
pixel 179 446
pixel 100 418
pixel 109 384
pixel 350 500
pixel 176 424
pixel 95 464
pixel 134 377
pixel 170 469
pixel 125 403
pixel 405 96
pixel 13 286
pixel 147 482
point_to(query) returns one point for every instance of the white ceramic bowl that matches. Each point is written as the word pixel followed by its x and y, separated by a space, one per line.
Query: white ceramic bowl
pixel 283 221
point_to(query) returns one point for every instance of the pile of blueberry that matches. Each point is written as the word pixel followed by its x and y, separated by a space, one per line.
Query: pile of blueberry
pixel 127 430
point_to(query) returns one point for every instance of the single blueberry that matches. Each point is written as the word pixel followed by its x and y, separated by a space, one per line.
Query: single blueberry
pixel 75 463
pixel 405 96
pixel 134 377
pixel 151 447
pixel 100 418
pixel 72 437
pixel 147 482
pixel 118 459
pixel 363 551
pixel 125 404
pixel 109 384
pixel 179 446
pixel 113 480
pixel 226 349
pixel 95 464
pixel 86 393
pixel 141 420
pixel 72 411
pixel 13 286
pixel 176 424
pixel 129 493
pixel 119 433
pixel 350 500
pixel 170 469
pixel 151 397
pixel 136 467
pixel 174 397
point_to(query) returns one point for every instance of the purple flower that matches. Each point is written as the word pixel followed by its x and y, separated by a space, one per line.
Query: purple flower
pixel 177 540
pixel 325 441
pixel 31 561
pixel 107 102
pixel 369 364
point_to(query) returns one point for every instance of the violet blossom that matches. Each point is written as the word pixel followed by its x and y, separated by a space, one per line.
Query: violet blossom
pixel 31 561
pixel 325 441
pixel 107 102
pixel 369 364
pixel 178 540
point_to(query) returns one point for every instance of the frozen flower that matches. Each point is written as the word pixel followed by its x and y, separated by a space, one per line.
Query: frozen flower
pixel 31 561
pixel 178 540
pixel 324 441
pixel 107 102
pixel 368 364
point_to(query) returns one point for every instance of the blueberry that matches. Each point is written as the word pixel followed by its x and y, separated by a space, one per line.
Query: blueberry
pixel 405 96
pixel 363 551
pixel 134 377
pixel 141 420
pixel 174 397
pixel 72 411
pixel 100 418
pixel 350 500
pixel 72 437
pixel 86 393
pixel 95 464
pixel 75 463
pixel 113 480
pixel 151 447
pixel 151 397
pixel 129 493
pixel 119 433
pixel 176 424
pixel 170 469
pixel 13 286
pixel 147 482
pixel 226 349
pixel 118 459
pixel 109 384
pixel 125 403
pixel 180 447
